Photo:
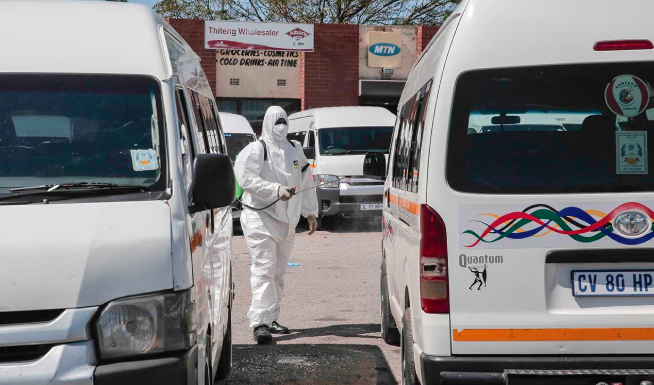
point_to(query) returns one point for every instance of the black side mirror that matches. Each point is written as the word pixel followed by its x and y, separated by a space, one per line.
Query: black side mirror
pixel 214 183
pixel 374 166
pixel 310 152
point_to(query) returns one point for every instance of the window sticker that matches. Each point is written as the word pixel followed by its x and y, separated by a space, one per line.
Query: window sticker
pixel 627 96
pixel 144 160
pixel 631 152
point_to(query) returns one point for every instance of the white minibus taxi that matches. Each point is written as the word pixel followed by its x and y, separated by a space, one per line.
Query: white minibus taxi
pixel 238 134
pixel 339 138
pixel 518 206
pixel 115 201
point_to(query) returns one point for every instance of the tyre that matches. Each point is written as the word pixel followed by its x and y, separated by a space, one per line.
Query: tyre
pixel 225 363
pixel 408 364
pixel 389 331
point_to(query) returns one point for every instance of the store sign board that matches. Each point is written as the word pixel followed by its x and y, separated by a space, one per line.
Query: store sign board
pixel 258 36
pixel 384 49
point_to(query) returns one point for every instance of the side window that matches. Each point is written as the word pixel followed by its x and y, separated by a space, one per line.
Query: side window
pixel 403 145
pixel 408 141
pixel 210 127
pixel 222 146
pixel 200 131
pixel 418 131
pixel 186 138
pixel 312 139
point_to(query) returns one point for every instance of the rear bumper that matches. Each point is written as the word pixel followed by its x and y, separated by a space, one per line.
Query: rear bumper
pixel 179 369
pixel 537 369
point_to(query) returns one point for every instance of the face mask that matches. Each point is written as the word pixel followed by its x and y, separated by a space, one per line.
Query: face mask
pixel 280 131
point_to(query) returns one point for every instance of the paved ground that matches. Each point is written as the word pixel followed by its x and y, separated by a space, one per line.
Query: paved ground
pixel 331 303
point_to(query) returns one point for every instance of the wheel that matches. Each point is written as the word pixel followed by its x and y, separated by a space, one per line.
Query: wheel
pixel 389 331
pixel 408 364
pixel 225 363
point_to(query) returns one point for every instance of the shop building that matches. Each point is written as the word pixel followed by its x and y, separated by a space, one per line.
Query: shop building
pixel 346 65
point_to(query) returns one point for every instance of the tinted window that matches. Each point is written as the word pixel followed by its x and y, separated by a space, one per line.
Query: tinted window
pixel 236 143
pixel 548 130
pixel 299 136
pixel 312 139
pixel 188 150
pixel 408 143
pixel 354 140
pixel 80 128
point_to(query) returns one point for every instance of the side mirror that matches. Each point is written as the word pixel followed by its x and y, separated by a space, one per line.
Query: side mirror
pixel 214 183
pixel 310 152
pixel 374 166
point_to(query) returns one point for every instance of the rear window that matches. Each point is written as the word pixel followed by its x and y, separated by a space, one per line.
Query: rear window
pixel 554 129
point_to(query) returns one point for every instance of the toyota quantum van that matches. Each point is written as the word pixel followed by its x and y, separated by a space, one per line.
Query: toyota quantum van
pixel 114 201
pixel 522 252
pixel 238 134
pixel 339 138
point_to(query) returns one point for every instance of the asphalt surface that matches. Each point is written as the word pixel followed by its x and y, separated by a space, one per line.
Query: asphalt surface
pixel 331 305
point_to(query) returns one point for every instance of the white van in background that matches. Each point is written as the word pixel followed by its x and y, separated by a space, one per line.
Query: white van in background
pixel 340 138
pixel 524 255
pixel 238 134
pixel 114 201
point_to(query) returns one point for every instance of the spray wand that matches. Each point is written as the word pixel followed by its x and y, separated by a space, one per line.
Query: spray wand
pixel 293 191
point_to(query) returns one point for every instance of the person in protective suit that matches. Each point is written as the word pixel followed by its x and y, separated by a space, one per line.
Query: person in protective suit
pixel 267 170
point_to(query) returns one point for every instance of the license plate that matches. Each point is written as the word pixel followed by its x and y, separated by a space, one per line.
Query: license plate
pixel 612 283
pixel 371 206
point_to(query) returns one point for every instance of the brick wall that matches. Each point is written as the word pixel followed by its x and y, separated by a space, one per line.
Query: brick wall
pixel 193 32
pixel 330 75
pixel 425 34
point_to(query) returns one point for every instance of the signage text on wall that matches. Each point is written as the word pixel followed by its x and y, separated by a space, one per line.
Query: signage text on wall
pixel 384 49
pixel 258 36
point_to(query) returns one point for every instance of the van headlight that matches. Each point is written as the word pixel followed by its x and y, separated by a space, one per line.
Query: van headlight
pixel 145 325
pixel 328 181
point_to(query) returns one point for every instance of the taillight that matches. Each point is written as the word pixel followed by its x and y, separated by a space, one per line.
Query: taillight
pixel 434 296
pixel 623 45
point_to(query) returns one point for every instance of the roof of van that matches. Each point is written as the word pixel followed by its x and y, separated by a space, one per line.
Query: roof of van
pixel 541 32
pixel 356 116
pixel 81 37
pixel 235 124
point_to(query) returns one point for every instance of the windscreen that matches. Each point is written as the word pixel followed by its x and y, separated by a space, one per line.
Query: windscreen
pixel 354 140
pixel 554 129
pixel 57 129
pixel 236 143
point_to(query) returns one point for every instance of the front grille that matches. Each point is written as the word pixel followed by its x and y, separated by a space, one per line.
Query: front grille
pixel 360 199
pixel 28 317
pixel 23 353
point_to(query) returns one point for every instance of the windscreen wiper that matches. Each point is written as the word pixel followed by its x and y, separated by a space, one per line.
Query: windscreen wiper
pixel 71 188
pixel 79 185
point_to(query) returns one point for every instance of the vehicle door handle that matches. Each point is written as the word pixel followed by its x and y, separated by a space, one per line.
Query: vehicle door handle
pixel 388 198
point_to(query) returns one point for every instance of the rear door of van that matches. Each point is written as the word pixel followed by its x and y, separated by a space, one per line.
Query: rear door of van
pixel 550 240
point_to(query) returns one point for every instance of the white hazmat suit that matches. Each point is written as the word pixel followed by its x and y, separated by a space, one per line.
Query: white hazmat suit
pixel 270 233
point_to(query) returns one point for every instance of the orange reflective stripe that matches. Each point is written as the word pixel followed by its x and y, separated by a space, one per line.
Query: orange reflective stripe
pixel 410 206
pixel 606 334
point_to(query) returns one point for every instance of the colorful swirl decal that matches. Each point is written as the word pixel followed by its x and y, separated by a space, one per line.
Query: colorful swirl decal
pixel 580 225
